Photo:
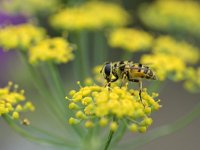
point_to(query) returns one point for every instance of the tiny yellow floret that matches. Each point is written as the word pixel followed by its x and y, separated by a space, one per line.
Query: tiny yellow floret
pixel 89 124
pixel 133 127
pixel 15 115
pixel 113 126
pixel 73 121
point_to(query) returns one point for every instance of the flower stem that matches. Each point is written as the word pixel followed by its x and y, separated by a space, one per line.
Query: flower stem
pixel 39 85
pixel 47 139
pixel 120 133
pixel 100 49
pixel 109 139
pixel 58 91
pixel 110 136
pixel 81 63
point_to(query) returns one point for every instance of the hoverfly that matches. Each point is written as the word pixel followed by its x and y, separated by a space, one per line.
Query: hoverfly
pixel 127 71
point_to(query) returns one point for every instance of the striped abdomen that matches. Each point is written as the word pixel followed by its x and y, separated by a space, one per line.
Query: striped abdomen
pixel 141 71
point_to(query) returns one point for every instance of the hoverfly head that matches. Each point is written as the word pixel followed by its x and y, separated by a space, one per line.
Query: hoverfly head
pixel 107 71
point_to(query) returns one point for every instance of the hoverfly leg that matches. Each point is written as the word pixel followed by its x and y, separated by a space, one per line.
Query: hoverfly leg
pixel 108 84
pixel 140 90
pixel 123 80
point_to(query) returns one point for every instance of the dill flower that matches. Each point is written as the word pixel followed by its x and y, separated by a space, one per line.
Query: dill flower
pixel 56 49
pixel 169 46
pixel 91 15
pixel 28 7
pixel 165 65
pixel 20 36
pixel 12 101
pixel 130 39
pixel 192 82
pixel 182 16
pixel 98 106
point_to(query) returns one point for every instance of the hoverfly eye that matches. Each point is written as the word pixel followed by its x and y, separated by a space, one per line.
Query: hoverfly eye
pixel 107 69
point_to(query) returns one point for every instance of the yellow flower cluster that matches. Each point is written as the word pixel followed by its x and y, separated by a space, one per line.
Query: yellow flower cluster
pixel 29 6
pixel 186 52
pixel 192 82
pixel 20 36
pixel 91 15
pixel 96 105
pixel 130 39
pixel 183 16
pixel 165 65
pixel 57 50
pixel 11 101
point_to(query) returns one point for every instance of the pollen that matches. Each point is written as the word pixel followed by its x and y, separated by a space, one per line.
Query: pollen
pixel 108 107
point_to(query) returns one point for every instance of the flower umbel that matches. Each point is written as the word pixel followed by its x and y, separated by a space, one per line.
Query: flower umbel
pixel 130 39
pixel 11 101
pixel 174 67
pixel 182 16
pixel 91 15
pixel 95 105
pixel 57 50
pixel 192 82
pixel 186 52
pixel 20 36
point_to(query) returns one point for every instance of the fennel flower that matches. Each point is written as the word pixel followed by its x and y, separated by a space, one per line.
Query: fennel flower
pixel 29 7
pixel 90 15
pixel 98 106
pixel 57 50
pixel 192 82
pixel 130 39
pixel 165 65
pixel 182 16
pixel 167 45
pixel 20 36
pixel 13 101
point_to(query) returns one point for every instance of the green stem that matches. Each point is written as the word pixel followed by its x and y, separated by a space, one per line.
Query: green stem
pixel 127 55
pixel 39 85
pixel 163 130
pixel 109 140
pixel 120 133
pixel 82 56
pixel 59 94
pixel 47 96
pixel 52 141
pixel 56 87
pixel 110 136
pixel 100 49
